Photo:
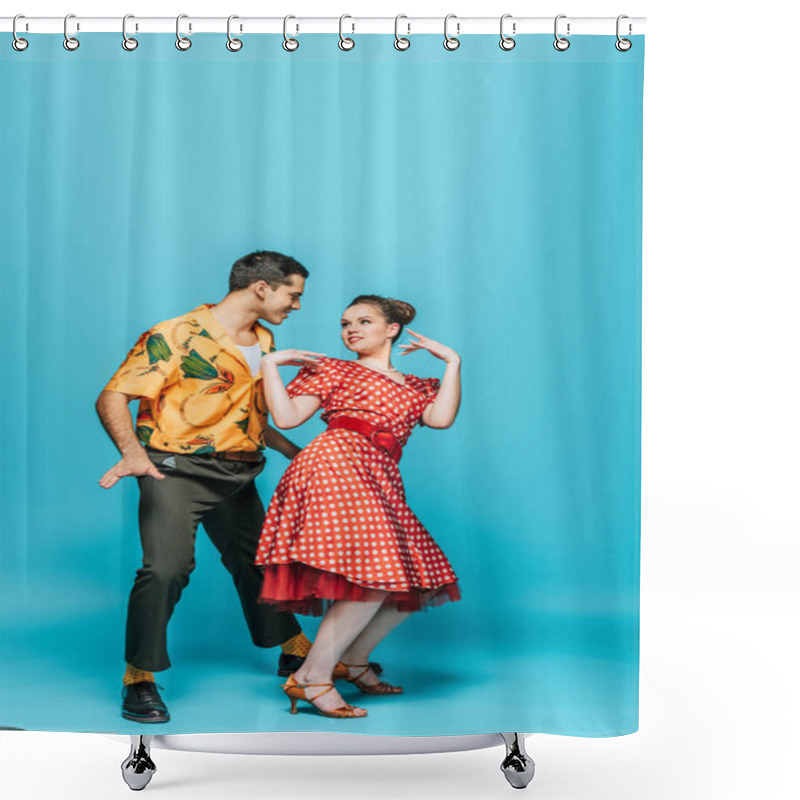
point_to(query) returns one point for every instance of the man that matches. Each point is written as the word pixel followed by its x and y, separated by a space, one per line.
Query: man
pixel 195 452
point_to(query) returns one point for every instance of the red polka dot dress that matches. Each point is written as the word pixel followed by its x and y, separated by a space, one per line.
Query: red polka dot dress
pixel 338 527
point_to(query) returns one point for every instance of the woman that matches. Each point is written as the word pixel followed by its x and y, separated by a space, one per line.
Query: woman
pixel 338 533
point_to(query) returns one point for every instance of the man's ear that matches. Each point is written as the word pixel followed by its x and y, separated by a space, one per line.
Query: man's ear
pixel 261 288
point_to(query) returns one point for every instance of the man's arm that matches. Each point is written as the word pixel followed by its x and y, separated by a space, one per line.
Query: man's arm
pixel 112 408
pixel 275 440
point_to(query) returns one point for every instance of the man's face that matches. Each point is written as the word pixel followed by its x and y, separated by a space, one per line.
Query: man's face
pixel 277 304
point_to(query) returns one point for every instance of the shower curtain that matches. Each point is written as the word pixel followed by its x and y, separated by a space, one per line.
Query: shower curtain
pixel 498 192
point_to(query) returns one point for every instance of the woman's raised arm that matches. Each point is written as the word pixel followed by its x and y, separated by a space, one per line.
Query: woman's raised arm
pixel 441 413
pixel 286 411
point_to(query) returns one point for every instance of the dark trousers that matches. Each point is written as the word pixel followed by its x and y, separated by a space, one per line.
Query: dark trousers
pixel 221 495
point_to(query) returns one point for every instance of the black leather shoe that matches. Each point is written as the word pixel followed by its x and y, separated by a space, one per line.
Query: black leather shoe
pixel 141 702
pixel 287 664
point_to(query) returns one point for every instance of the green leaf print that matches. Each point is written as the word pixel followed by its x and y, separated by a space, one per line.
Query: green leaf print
pixel 157 348
pixel 206 449
pixel 144 433
pixel 195 366
pixel 205 333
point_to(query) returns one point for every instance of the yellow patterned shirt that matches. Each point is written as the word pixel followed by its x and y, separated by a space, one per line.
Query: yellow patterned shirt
pixel 196 390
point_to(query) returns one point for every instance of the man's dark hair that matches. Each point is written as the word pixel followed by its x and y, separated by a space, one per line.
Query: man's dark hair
pixel 264 265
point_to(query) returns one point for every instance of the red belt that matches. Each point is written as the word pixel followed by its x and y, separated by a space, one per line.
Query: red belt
pixel 380 437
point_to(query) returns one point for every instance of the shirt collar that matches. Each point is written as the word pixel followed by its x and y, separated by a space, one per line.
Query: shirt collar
pixel 202 314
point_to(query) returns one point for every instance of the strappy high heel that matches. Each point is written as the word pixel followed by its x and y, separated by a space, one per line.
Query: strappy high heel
pixel 341 671
pixel 297 691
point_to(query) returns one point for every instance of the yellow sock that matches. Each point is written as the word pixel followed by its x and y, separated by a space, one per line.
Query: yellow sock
pixel 297 646
pixel 134 675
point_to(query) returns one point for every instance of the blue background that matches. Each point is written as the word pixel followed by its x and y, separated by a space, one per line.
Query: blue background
pixel 500 193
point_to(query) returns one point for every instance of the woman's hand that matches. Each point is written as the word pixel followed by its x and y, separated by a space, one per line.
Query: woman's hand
pixel 434 348
pixel 294 358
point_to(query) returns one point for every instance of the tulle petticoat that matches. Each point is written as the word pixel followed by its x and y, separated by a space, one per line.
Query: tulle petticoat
pixel 307 590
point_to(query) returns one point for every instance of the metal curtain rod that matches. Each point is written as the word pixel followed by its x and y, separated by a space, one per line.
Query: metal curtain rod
pixel 245 25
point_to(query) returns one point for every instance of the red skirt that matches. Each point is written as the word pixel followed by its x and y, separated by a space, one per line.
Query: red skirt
pixel 303 589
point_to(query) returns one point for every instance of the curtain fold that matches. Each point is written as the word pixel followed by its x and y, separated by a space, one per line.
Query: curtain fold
pixel 498 192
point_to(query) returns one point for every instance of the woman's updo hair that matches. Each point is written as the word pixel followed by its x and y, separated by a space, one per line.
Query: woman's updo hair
pixel 392 310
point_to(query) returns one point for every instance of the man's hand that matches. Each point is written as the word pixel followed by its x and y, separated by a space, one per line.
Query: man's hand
pixel 136 464
pixel 112 408
pixel 275 440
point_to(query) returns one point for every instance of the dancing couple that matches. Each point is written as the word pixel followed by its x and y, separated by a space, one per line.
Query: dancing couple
pixel 337 536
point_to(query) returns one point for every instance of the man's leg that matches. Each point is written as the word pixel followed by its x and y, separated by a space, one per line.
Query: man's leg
pixel 234 526
pixel 169 513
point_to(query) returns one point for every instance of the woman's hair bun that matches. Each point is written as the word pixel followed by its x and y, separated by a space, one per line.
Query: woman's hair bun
pixel 403 312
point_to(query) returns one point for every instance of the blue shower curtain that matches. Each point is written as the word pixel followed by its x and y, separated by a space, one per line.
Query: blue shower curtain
pixel 498 192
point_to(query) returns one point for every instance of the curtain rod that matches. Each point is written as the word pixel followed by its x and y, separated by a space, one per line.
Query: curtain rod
pixel 351 24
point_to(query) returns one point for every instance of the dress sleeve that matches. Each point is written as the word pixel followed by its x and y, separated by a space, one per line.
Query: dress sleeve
pixel 320 381
pixel 430 388
pixel 148 369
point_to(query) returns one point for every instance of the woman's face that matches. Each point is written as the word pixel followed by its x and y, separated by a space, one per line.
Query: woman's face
pixel 365 330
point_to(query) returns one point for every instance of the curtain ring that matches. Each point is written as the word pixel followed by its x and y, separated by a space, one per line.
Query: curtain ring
pixel 233 44
pixel 128 42
pixel 400 42
pixel 181 42
pixel 560 43
pixel 451 42
pixel 289 44
pixel 623 45
pixel 70 42
pixel 345 42
pixel 506 42
pixel 19 44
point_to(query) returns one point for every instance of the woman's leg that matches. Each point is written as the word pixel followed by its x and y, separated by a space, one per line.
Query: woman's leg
pixel 342 623
pixel 386 620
